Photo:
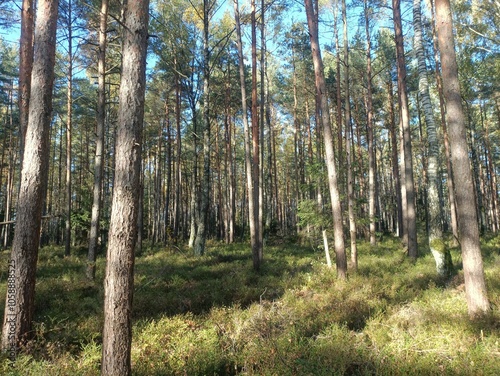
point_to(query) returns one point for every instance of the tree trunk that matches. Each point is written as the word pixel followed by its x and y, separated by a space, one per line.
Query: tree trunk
pixel 348 145
pixel 25 68
pixel 252 202
pixel 257 242
pixel 475 287
pixel 437 246
pixel 449 180
pixel 69 118
pixel 201 233
pixel 312 21
pixel 99 147
pixel 20 303
pixel 369 122
pixel 405 122
pixel 119 281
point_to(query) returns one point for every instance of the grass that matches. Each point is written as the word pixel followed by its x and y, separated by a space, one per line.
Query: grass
pixel 213 315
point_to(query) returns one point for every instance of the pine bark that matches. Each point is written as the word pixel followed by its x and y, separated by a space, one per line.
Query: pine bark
pixel 475 286
pixel 257 241
pixel 449 169
pixel 99 147
pixel 201 228
pixel 411 222
pixel 119 281
pixel 372 171
pixel 20 303
pixel 312 21
pixel 348 144
pixel 69 119
pixel 252 202
pixel 25 67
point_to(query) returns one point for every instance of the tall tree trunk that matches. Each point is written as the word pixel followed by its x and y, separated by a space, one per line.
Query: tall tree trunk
pixel 20 299
pixel 263 61
pixel 369 122
pixel 119 281
pixel 405 122
pixel 25 68
pixel 99 146
pixel 312 21
pixel 475 287
pixel 201 233
pixel 394 158
pixel 449 180
pixel 252 202
pixel 348 144
pixel 338 87
pixel 256 243
pixel 193 204
pixel 178 145
pixel 69 119
pixel 437 246
pixel 491 174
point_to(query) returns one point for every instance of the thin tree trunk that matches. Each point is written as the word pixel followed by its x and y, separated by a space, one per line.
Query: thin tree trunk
pixel 99 147
pixel 369 121
pixel 10 170
pixel 492 176
pixel 119 281
pixel 475 287
pixel 405 122
pixel 256 243
pixel 312 21
pixel 394 158
pixel 178 145
pixel 252 202
pixel 20 299
pixel 69 119
pixel 348 144
pixel 201 233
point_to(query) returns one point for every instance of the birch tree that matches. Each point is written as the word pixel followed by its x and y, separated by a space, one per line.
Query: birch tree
pixel 437 246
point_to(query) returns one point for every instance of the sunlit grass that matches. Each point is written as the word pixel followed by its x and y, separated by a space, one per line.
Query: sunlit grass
pixel 214 315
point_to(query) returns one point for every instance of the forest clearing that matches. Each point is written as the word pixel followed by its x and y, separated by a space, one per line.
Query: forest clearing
pixel 274 187
pixel 215 316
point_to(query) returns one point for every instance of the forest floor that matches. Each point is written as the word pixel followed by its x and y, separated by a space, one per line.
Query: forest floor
pixel 213 315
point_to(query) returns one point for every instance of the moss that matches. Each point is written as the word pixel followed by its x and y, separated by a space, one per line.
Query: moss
pixel 439 245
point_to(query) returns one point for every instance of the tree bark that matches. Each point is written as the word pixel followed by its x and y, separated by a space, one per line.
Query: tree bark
pixel 372 171
pixel 25 68
pixel 257 242
pixel 201 231
pixel 449 180
pixel 475 287
pixel 341 260
pixel 119 281
pixel 99 145
pixel 69 118
pixel 405 122
pixel 437 246
pixel 252 202
pixel 20 303
pixel 348 144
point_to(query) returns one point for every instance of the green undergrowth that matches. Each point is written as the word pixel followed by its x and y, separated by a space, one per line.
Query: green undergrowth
pixel 213 315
